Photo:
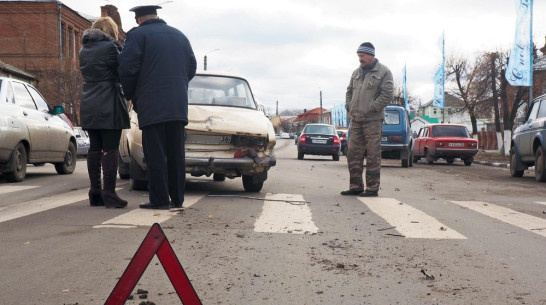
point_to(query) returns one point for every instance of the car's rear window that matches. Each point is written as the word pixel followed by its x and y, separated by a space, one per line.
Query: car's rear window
pixel 449 131
pixel 220 91
pixel 319 129
pixel 392 117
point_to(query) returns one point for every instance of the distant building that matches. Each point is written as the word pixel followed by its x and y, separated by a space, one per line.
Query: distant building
pixel 7 70
pixel 311 116
pixel 43 38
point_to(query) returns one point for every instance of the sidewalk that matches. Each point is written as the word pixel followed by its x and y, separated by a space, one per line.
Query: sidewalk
pixel 492 158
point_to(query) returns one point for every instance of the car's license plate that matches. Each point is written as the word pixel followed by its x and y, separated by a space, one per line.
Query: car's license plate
pixel 456 144
pixel 384 139
pixel 318 141
pixel 208 139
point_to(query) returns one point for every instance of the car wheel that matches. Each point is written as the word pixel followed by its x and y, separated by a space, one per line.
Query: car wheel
pixel 411 158
pixel 124 169
pixel 219 177
pixel 416 159
pixel 514 172
pixel 300 156
pixel 137 173
pixel 450 160
pixel 335 157
pixel 468 161
pixel 430 159
pixel 69 164
pixel 250 186
pixel 406 162
pixel 540 165
pixel 18 164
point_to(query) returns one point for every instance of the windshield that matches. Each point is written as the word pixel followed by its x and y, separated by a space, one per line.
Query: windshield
pixel 449 131
pixel 220 91
pixel 320 129
pixel 392 117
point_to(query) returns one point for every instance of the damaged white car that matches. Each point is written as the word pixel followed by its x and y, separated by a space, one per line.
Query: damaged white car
pixel 227 135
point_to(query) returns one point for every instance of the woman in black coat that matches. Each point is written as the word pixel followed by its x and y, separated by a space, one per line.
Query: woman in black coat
pixel 103 109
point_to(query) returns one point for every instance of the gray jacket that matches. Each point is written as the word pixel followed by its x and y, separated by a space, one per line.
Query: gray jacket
pixel 367 98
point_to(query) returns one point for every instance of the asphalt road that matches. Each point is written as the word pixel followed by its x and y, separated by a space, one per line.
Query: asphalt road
pixel 441 234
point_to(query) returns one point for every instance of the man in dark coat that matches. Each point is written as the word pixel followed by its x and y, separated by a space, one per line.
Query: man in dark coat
pixel 155 68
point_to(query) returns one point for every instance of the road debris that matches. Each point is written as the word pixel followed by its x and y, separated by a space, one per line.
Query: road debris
pixel 428 277
pixel 385 229
pixel 397 235
pixel 295 202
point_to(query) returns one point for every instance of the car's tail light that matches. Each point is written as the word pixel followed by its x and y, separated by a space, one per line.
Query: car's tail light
pixel 336 140
pixel 302 139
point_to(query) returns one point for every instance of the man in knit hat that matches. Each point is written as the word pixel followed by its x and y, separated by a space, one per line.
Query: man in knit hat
pixel 369 92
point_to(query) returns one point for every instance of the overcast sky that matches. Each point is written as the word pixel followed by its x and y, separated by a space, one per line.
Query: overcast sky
pixel 290 50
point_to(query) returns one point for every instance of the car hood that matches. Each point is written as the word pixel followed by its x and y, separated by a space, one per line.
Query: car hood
pixel 229 120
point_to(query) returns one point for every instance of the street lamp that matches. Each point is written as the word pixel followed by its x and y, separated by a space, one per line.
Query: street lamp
pixel 205 59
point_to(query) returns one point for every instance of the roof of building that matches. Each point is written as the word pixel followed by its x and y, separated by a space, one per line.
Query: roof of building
pixel 450 100
pixel 12 69
pixel 310 113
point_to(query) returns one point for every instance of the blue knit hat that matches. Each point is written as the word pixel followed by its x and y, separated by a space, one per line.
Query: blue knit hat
pixel 366 48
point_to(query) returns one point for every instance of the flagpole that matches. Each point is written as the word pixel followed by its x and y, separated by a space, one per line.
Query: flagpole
pixel 444 77
pixel 531 51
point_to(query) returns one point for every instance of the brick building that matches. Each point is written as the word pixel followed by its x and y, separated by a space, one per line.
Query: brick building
pixel 43 38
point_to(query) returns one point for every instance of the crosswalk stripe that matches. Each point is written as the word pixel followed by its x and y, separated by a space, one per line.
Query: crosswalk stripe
pixel 285 213
pixel 145 217
pixel 541 202
pixel 522 220
pixel 408 221
pixel 15 188
pixel 22 209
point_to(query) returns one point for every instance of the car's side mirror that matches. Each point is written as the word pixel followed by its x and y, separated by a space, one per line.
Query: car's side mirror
pixel 58 110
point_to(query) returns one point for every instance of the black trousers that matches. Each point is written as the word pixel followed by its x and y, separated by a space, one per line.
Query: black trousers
pixel 163 146
pixel 104 139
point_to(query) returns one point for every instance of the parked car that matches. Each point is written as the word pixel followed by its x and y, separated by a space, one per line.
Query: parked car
pixel 32 132
pixel 285 135
pixel 227 135
pixel 319 139
pixel 343 140
pixel 83 141
pixel 397 139
pixel 528 145
pixel 447 141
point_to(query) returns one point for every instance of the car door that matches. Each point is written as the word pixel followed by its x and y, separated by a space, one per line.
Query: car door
pixel 35 121
pixel 528 129
pixel 57 130
pixel 419 143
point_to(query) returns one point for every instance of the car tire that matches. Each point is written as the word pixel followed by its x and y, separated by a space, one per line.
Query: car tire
pixel 335 157
pixel 136 172
pixel 514 172
pixel 69 164
pixel 430 159
pixel 411 158
pixel 123 169
pixel 468 161
pixel 300 156
pixel 540 165
pixel 219 177
pixel 250 186
pixel 18 164
pixel 450 160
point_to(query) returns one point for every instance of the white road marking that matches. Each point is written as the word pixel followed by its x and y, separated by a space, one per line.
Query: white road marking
pixel 145 217
pixel 4 189
pixel 284 216
pixel 408 221
pixel 522 220
pixel 22 209
pixel 541 202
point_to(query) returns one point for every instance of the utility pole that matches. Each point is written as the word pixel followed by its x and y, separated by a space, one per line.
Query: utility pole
pixel 321 121
pixel 205 59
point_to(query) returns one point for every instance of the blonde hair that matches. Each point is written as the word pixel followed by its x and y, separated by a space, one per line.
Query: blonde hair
pixel 107 25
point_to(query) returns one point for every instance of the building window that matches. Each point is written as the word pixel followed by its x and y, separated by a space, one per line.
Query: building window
pixel 70 42
pixel 435 111
pixel 63 38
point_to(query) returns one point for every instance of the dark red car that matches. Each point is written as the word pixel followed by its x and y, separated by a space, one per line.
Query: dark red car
pixel 446 141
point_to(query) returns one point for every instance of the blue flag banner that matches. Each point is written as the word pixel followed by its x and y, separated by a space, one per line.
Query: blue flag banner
pixel 439 81
pixel 520 64
pixel 406 105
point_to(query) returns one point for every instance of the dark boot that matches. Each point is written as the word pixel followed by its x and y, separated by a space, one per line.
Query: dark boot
pixel 110 172
pixel 93 169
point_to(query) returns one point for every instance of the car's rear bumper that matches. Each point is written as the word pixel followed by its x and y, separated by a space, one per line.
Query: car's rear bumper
pixel 456 153
pixel 318 149
pixel 232 163
pixel 394 147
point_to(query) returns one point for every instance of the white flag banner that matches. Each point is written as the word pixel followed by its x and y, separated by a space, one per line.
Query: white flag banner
pixel 520 64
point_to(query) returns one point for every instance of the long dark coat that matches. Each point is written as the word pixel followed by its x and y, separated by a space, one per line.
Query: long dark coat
pixel 102 107
pixel 155 67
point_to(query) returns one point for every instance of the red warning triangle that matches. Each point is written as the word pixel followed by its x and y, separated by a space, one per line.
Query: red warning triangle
pixel 155 243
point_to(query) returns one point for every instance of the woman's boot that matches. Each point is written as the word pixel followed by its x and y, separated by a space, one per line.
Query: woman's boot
pixel 110 172
pixel 93 169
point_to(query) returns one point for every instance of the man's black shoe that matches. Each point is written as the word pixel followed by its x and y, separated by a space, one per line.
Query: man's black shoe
pixel 351 192
pixel 367 193
pixel 148 205
pixel 176 205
